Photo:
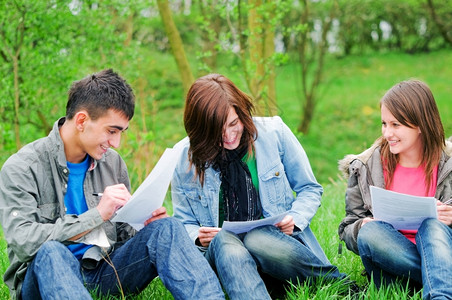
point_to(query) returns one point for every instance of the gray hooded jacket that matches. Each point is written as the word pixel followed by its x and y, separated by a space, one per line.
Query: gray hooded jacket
pixel 365 169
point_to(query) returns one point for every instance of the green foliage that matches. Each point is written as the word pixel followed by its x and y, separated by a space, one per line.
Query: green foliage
pixel 66 40
pixel 4 263
pixel 381 25
pixel 348 116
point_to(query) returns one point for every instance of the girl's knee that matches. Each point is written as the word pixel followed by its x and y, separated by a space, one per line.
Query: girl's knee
pixel 433 229
pixel 228 244
pixel 224 237
pixel 267 241
pixel 430 224
pixel 368 235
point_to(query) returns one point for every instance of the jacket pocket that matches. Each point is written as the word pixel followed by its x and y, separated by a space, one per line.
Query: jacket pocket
pixel 274 184
pixel 198 205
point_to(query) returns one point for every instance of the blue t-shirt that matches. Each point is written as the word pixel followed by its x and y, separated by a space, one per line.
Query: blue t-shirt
pixel 74 200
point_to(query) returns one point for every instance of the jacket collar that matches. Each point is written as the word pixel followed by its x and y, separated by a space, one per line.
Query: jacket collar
pixel 365 155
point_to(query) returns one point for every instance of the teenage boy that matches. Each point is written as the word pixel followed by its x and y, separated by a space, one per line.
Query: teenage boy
pixel 50 211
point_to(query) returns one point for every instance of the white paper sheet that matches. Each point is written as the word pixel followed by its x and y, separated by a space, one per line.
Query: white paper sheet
pixel 401 210
pixel 151 193
pixel 245 226
pixel 98 237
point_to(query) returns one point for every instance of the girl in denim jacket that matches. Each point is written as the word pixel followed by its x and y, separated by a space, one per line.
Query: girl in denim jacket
pixel 238 168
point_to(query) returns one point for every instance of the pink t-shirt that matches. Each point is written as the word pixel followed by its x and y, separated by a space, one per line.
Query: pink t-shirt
pixel 412 181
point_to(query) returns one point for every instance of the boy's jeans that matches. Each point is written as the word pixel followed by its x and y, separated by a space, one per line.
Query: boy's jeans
pixel 162 248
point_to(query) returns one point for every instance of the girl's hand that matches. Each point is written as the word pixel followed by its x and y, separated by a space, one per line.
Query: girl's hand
pixel 286 225
pixel 444 213
pixel 367 220
pixel 206 235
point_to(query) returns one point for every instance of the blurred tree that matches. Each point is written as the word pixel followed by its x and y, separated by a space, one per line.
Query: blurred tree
pixel 210 24
pixel 43 47
pixel 311 50
pixel 442 21
pixel 177 47
pixel 261 48
pixel 29 44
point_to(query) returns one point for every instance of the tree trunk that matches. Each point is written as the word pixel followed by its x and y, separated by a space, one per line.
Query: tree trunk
pixel 269 51
pixel 14 55
pixel 210 35
pixel 256 49
pixel 176 44
pixel 16 102
pixel 128 28
pixel 318 56
pixel 261 49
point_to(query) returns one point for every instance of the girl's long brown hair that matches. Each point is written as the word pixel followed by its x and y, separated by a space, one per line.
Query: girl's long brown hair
pixel 206 110
pixel 412 104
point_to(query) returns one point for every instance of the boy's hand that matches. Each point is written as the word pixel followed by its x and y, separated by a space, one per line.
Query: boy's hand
pixel 159 213
pixel 113 198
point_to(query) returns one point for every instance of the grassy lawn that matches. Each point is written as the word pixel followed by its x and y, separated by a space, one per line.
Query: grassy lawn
pixel 347 120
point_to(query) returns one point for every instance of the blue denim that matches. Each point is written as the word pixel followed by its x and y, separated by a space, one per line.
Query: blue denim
pixel 286 183
pixel 54 273
pixel 387 254
pixel 162 248
pixel 238 259
pixel 386 251
pixel 434 243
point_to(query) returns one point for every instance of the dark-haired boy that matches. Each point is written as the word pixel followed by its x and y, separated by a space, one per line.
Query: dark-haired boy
pixel 49 210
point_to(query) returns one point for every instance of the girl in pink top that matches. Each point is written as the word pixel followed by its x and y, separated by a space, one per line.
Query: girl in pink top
pixel 411 157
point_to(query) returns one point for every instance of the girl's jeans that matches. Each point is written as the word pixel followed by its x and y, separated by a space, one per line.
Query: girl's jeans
pixel 387 255
pixel 238 259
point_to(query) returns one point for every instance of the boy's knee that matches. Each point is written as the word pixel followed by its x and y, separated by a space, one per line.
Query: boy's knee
pixel 53 251
pixel 51 247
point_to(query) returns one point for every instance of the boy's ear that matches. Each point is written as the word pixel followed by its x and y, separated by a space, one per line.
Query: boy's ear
pixel 80 119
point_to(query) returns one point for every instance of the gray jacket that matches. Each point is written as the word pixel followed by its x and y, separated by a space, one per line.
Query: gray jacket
pixel 365 169
pixel 33 183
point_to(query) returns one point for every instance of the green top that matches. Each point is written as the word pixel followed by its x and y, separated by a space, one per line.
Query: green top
pixel 252 166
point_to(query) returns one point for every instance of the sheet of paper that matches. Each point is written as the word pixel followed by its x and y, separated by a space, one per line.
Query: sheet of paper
pixel 245 226
pixel 98 237
pixel 151 193
pixel 401 210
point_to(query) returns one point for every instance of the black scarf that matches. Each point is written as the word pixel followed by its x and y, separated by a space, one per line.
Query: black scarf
pixel 240 199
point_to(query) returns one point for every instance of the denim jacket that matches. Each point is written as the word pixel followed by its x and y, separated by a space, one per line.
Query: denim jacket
pixel 365 169
pixel 286 183
pixel 33 183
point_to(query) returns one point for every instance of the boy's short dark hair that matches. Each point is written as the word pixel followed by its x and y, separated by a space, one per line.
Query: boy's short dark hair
pixel 100 92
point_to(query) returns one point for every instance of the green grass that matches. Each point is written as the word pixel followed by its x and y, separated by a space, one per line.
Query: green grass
pixel 346 120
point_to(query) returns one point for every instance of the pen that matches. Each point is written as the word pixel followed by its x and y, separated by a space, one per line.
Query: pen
pixel 448 201
pixel 98 194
